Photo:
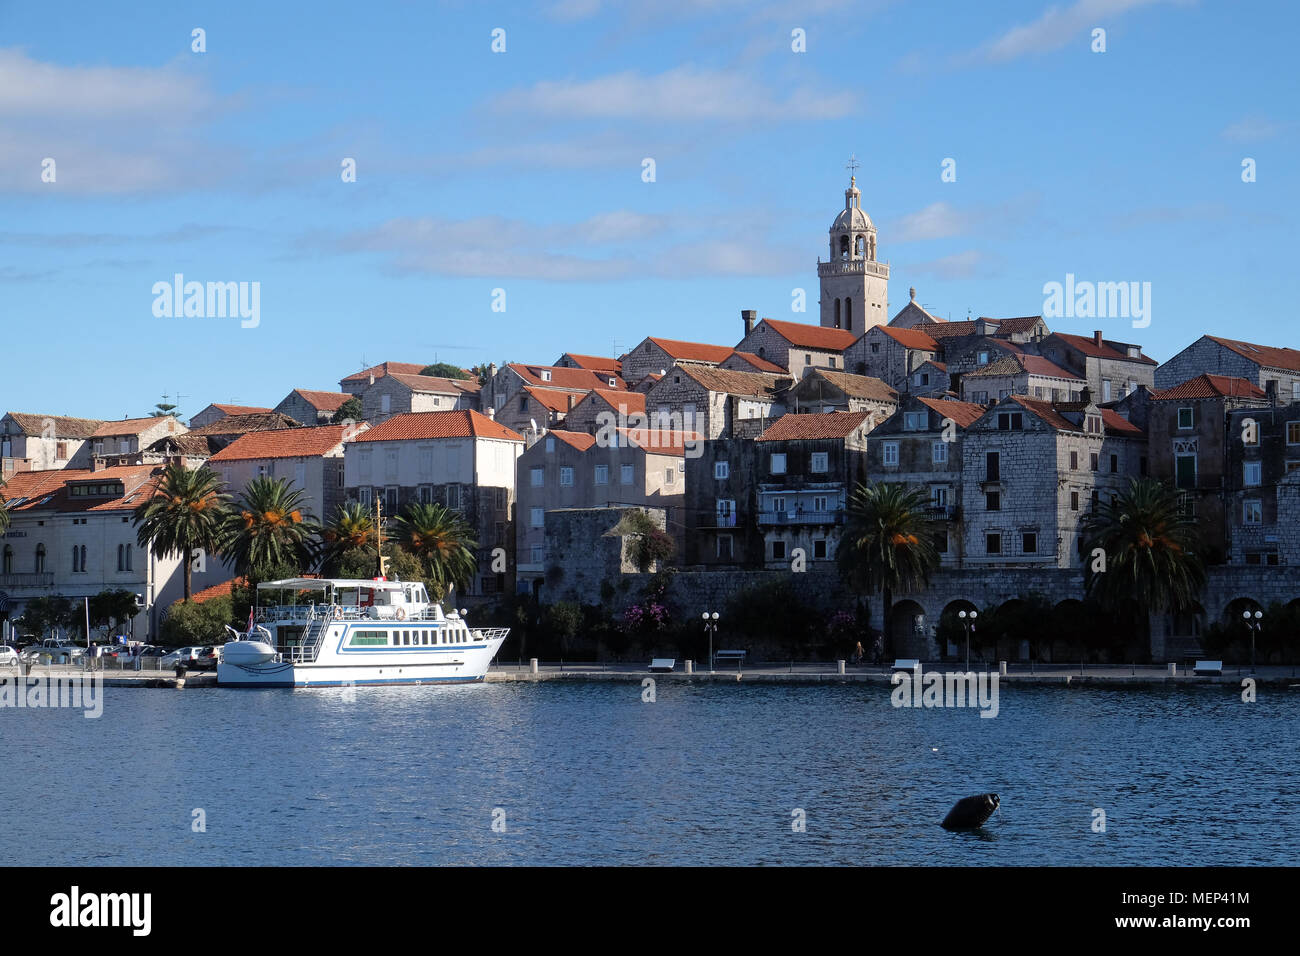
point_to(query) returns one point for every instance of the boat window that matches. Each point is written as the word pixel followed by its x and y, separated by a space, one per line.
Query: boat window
pixel 368 639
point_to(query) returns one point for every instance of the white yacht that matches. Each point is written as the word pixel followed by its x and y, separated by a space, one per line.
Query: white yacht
pixel 356 632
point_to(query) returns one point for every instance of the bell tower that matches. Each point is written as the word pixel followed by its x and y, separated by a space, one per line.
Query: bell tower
pixel 854 286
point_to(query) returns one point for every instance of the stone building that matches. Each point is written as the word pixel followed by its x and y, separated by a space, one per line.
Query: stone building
pixel 717 402
pixel 653 356
pixel 358 382
pixel 930 378
pixel 397 393
pixel 71 534
pixel 854 286
pixel 459 459
pixel 531 411
pixel 921 446
pixel 508 381
pixel 602 405
pixel 592 363
pixel 822 390
pixel 1187 444
pixel 1032 470
pixel 125 442
pixel 566 470
pixel 215 412
pixel 797 348
pixel 721 506
pixel 44 442
pixel 310 457
pixel 1263 484
pixel 890 354
pixel 222 432
pixel 1259 364
pixel 1021 374
pixel 308 407
pixel 1111 369
pixel 749 362
pixel 807 468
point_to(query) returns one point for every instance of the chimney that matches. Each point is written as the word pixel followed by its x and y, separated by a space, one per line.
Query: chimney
pixel 1096 339
pixel 372 378
pixel 1270 391
pixel 492 370
pixel 1085 395
pixel 492 413
pixel 748 316
pixel 570 402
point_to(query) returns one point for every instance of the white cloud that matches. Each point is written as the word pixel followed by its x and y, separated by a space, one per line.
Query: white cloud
pixel 684 93
pixel 1057 26
pixel 1252 128
pixel 960 265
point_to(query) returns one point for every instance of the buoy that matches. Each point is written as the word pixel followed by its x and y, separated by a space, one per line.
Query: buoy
pixel 971 812
pixel 180 683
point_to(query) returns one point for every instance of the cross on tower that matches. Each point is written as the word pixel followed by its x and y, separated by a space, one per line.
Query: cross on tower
pixel 852 166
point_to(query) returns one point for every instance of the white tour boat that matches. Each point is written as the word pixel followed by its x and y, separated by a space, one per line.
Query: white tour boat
pixel 358 632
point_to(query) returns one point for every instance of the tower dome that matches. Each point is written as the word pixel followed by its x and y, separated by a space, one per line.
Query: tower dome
pixel 854 284
pixel 852 217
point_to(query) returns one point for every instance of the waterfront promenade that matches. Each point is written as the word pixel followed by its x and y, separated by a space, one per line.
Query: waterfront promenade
pixel 1063 675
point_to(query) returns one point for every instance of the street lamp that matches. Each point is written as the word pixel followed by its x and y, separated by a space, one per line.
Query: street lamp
pixel 711 628
pixel 1252 626
pixel 968 625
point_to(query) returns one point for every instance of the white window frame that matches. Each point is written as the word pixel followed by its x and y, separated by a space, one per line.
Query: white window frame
pixel 566 476
pixel 777 457
pixel 939 453
pixel 537 477
pixel 889 453
pixel 601 475
pixel 820 462
pixel 721 470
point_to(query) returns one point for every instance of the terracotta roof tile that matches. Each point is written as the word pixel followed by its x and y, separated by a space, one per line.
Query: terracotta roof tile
pixel 309 442
pixel 964 414
pixel 758 364
pixel 386 368
pixel 1269 355
pixel 555 399
pixel 811 336
pixel 1118 424
pixel 835 425
pixel 1023 362
pixel 855 386
pixel 732 382
pixel 241 409
pixel 911 338
pixel 1209 386
pixel 51 489
pixel 579 379
pixel 1047 412
pixel 595 363
pixel 1107 350
pixel 629 402
pixel 435 384
pixel 693 351
pixel 322 401
pixel 131 426
pixel 64 427
pixel 579 440
pixel 465 423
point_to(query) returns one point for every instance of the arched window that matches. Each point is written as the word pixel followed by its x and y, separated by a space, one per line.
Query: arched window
pixel 844 247
pixel 128 558
pixel 861 245
pixel 121 557
pixel 83 557
pixel 848 314
pixel 837 313
pixel 9 559
pixel 75 557
pixel 40 558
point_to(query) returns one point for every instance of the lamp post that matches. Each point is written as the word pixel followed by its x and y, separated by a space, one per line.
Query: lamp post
pixel 968 625
pixel 1253 626
pixel 711 628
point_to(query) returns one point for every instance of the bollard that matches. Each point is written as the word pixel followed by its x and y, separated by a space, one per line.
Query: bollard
pixel 1173 669
pixel 1002 668
pixel 532 664
pixel 690 667
pixel 840 666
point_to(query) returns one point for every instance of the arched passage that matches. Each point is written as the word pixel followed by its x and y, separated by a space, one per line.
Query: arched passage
pixel 908 630
pixel 952 627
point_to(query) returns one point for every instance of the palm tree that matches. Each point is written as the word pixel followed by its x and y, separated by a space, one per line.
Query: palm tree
pixel 888 543
pixel 186 513
pixel 1152 550
pixel 353 526
pixel 270 527
pixel 442 540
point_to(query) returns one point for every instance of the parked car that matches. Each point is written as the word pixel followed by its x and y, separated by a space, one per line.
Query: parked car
pixel 56 649
pixel 205 660
pixel 182 655
pixel 8 656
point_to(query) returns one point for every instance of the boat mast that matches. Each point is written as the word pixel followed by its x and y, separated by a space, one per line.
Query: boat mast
pixel 379 533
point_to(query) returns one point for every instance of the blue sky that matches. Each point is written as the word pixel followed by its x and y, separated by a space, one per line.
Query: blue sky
pixel 522 171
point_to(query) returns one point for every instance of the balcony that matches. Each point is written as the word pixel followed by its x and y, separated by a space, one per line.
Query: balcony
pixel 943 512
pixel 853 267
pixel 800 517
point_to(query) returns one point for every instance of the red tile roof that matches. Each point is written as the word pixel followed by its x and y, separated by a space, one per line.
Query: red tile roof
pixel 595 363
pixel 811 336
pixel 465 423
pixel 854 386
pixel 131 426
pixel 1108 349
pixel 555 399
pixel 323 401
pixel 386 368
pixel 952 330
pixel 579 379
pixel 36 487
pixel 435 383
pixel 1117 424
pixel 1021 323
pixel 1023 362
pixel 628 402
pixel 1209 386
pixel 283 443
pixel 1269 355
pixel 1044 410
pixel 693 351
pixel 911 338
pixel 64 427
pixel 579 440
pixel 240 409
pixel 834 425
pixel 732 382
pixel 240 424
pixel 758 364
pixel 964 414
pixel 223 589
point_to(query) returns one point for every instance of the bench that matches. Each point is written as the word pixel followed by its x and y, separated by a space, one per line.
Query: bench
pixel 663 665
pixel 737 656
pixel 1208 667
pixel 906 664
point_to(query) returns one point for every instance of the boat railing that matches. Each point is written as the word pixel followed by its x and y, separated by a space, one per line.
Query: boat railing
pixel 307 614
pixel 492 633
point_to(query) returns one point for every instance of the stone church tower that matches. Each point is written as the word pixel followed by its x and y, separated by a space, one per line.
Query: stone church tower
pixel 854 286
